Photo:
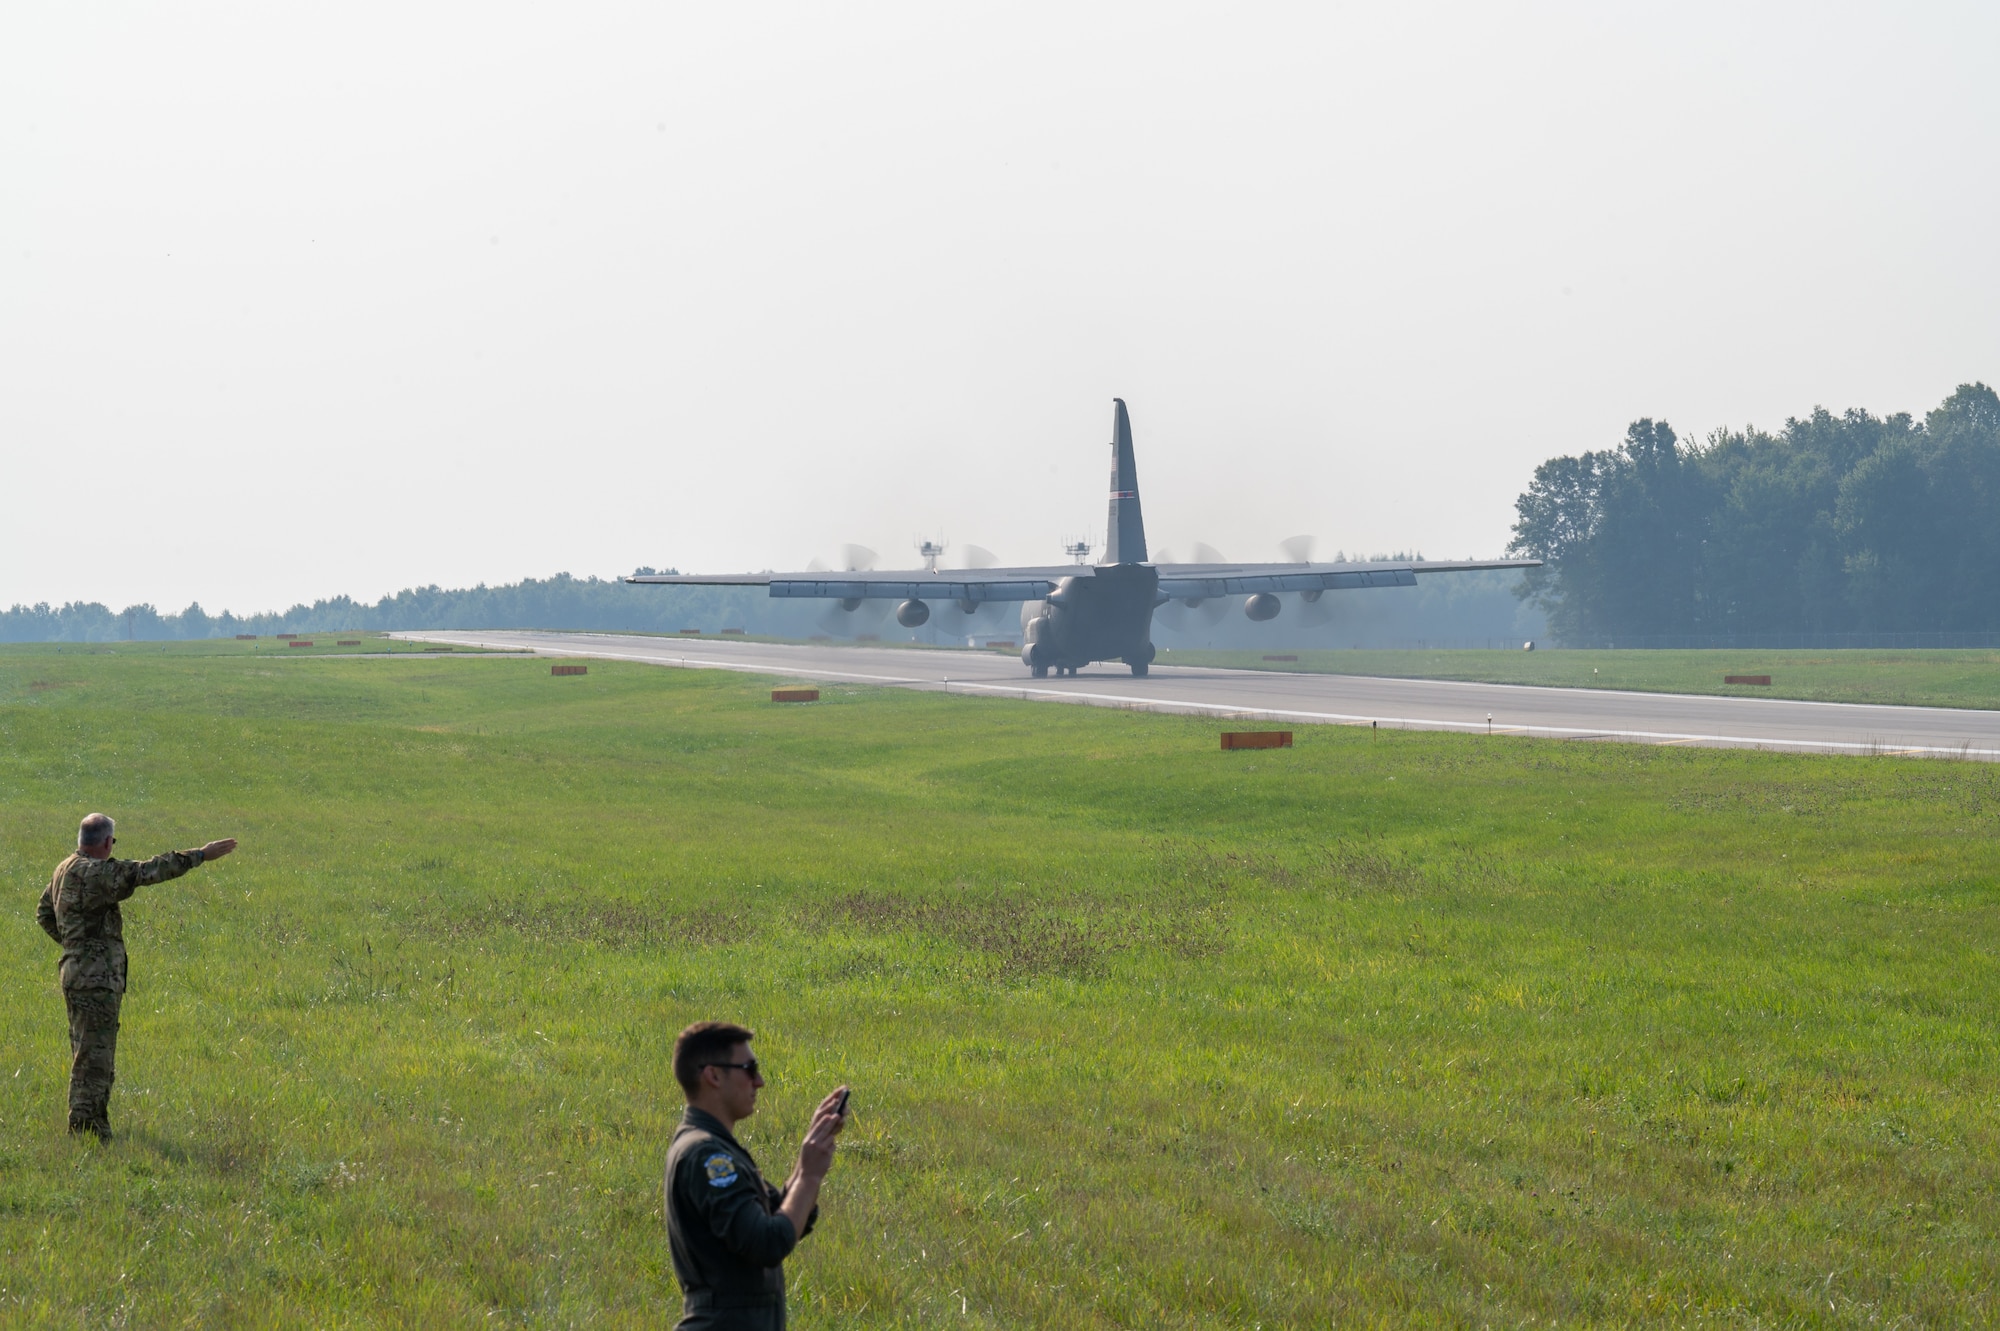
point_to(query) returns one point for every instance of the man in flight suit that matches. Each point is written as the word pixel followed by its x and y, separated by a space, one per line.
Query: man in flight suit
pixel 80 911
pixel 730 1231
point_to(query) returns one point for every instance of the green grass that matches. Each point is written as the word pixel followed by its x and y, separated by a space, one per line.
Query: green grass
pixel 1396 1029
pixel 323 644
pixel 1930 678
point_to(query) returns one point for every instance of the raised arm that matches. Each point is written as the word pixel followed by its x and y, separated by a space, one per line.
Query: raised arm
pixel 815 1158
pixel 174 863
pixel 128 876
pixel 135 874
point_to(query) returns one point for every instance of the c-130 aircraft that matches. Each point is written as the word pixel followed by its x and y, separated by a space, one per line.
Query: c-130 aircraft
pixel 1073 616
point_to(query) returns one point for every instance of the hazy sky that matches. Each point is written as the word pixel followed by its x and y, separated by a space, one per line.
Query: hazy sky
pixel 303 300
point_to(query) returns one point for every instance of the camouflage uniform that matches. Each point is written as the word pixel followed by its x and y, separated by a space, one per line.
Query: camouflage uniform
pixel 80 911
pixel 727 1237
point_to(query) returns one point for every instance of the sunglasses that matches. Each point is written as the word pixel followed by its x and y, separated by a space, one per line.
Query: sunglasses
pixel 750 1067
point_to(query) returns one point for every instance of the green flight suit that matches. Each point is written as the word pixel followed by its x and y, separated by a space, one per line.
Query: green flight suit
pixel 729 1242
pixel 79 909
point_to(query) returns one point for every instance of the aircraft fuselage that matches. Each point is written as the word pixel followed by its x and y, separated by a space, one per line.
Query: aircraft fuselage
pixel 1107 616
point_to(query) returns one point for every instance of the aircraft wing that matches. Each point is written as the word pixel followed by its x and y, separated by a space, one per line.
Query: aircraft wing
pixel 1180 581
pixel 1203 581
pixel 956 584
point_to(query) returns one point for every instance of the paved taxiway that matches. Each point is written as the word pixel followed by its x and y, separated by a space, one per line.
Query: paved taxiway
pixel 1274 697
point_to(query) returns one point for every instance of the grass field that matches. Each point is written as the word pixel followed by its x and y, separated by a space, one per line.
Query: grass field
pixel 1383 1030
pixel 1930 678
pixel 322 644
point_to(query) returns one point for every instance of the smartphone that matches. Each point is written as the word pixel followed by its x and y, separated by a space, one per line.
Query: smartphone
pixel 840 1106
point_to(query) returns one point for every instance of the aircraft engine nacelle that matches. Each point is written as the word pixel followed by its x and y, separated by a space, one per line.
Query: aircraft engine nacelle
pixel 1262 606
pixel 850 603
pixel 968 606
pixel 1312 596
pixel 914 614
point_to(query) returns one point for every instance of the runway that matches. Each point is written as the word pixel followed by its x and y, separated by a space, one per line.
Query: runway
pixel 1260 697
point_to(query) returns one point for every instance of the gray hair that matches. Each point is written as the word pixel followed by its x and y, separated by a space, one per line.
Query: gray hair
pixel 95 831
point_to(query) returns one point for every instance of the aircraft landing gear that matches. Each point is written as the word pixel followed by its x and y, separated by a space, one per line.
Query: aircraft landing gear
pixel 1140 668
pixel 1038 672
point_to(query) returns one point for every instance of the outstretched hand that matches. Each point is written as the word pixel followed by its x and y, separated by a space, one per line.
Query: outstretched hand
pixel 215 850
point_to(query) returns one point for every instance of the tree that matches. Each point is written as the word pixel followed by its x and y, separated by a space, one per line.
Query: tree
pixel 1837 522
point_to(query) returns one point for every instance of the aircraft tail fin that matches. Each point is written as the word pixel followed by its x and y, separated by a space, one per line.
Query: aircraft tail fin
pixel 1124 529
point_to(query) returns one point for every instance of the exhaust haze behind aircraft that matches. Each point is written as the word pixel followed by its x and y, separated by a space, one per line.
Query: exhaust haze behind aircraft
pixel 1071 615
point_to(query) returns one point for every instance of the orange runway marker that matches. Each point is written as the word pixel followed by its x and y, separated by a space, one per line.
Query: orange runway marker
pixel 1256 739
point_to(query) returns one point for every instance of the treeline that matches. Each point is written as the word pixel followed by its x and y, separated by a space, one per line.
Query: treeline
pixel 561 602
pixel 1848 523
pixel 1456 608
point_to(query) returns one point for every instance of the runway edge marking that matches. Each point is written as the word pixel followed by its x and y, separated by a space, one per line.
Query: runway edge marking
pixel 1181 706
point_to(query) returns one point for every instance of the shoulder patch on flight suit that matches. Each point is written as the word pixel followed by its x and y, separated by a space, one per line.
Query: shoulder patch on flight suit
pixel 721 1169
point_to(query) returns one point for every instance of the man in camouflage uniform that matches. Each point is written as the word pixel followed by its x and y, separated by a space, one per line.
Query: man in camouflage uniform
pixel 80 911
pixel 729 1230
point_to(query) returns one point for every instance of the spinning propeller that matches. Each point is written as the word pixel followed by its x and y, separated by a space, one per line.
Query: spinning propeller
pixel 985 616
pixel 1315 611
pixel 1204 613
pixel 847 619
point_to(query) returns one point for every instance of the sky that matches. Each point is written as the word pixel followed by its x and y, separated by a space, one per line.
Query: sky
pixel 299 301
